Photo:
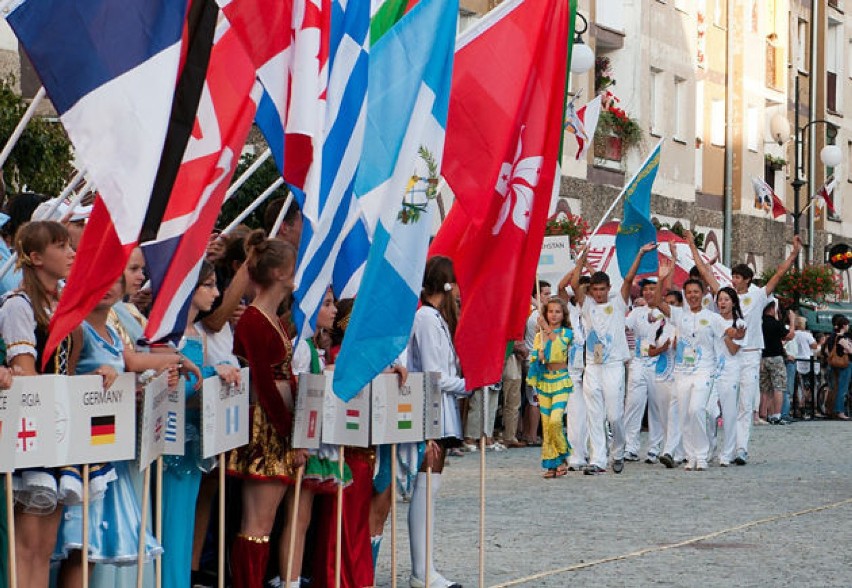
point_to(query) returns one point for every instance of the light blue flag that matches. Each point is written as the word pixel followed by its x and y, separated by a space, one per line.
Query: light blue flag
pixel 408 99
pixel 636 228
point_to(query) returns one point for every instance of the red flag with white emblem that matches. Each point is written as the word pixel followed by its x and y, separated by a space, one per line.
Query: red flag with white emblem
pixel 502 145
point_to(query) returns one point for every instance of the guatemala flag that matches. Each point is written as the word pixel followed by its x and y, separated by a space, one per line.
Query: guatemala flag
pixel 409 90
pixel 636 228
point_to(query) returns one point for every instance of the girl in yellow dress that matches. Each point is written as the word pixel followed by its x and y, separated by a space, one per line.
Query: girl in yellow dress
pixel 548 375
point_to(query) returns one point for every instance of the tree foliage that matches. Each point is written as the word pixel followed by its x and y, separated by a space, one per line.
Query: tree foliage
pixel 41 160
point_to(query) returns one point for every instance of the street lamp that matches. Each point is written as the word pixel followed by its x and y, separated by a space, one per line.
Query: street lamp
pixel 582 56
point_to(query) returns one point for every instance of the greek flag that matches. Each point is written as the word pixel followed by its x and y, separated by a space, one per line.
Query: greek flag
pixel 328 204
pixel 409 90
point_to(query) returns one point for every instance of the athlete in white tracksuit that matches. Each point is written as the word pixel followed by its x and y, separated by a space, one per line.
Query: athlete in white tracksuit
pixel 727 382
pixel 575 410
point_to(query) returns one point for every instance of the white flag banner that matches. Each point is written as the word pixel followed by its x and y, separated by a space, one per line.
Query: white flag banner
pixel 9 409
pixel 397 411
pixel 95 425
pixel 555 259
pixel 174 430
pixel 36 427
pixel 152 419
pixel 225 415
pixel 434 404
pixel 345 423
pixel 307 423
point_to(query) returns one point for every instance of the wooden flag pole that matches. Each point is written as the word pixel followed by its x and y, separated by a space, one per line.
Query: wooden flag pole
pixel 221 579
pixel 22 125
pixel 393 515
pixel 280 218
pixel 428 516
pixel 257 202
pixel 294 520
pixel 143 528
pixel 84 550
pixel 338 549
pixel 255 165
pixel 158 523
pixel 10 525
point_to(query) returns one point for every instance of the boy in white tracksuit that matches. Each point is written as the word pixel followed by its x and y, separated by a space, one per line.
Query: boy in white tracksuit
pixel 606 351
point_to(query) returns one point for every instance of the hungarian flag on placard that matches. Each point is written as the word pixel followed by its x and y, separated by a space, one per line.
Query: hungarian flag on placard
pixel 503 136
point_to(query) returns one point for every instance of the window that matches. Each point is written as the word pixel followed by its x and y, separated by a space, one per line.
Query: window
pixel 680 104
pixel 657 101
pixel 752 123
pixel 717 123
pixel 802 46
pixel 833 65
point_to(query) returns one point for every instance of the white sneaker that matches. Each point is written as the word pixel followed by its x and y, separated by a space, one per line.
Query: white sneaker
pixel 690 465
pixel 436 580
pixel 701 466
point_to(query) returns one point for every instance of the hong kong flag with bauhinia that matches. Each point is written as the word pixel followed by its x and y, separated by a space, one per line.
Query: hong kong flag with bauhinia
pixel 500 159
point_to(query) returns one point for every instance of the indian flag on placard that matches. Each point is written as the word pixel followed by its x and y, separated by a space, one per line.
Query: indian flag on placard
pixel 403 417
pixel 103 430
pixel 353 419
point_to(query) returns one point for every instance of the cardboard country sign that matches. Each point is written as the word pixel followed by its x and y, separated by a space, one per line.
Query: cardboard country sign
pixel 346 423
pixel 307 424
pixel 174 429
pixel 36 423
pixel 397 411
pixel 225 415
pixel 434 406
pixel 94 424
pixel 152 420
pixel 9 408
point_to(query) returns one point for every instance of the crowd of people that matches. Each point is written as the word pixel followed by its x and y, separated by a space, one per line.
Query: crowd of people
pixel 705 362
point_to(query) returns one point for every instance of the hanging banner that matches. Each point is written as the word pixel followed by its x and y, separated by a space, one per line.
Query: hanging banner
pixel 95 425
pixel 225 415
pixel 434 404
pixel 307 423
pixel 152 419
pixel 345 423
pixel 555 259
pixel 174 430
pixel 36 427
pixel 9 408
pixel 397 411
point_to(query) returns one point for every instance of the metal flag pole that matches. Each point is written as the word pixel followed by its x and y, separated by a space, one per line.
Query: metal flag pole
pixel 22 125
pixel 482 489
pixel 279 220
pixel 255 165
pixel 257 202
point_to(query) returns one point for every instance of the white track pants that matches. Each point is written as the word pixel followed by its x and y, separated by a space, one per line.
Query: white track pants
pixel 727 386
pixel 642 390
pixel 749 395
pixel 693 392
pixel 603 389
pixel 578 423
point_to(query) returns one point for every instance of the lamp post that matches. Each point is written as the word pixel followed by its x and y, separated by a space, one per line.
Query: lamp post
pixel 582 56
pixel 830 155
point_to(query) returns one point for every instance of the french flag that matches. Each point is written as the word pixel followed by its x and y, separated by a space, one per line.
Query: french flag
pixel 110 69
pixel 225 112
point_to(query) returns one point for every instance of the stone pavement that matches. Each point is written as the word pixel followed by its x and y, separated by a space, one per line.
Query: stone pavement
pixel 785 519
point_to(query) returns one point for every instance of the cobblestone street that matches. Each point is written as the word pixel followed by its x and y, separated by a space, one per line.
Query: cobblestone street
pixel 785 519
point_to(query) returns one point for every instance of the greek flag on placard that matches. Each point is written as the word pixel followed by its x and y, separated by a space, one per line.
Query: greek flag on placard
pixel 409 90
pixel 328 205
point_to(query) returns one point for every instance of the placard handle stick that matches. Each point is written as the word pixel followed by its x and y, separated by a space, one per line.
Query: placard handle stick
pixel 338 550
pixel 428 516
pixel 10 525
pixel 143 527
pixel 158 523
pixel 393 515
pixel 221 568
pixel 84 551
pixel 294 519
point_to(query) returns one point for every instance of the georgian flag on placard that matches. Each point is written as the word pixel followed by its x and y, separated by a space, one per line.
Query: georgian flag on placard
pixel 500 158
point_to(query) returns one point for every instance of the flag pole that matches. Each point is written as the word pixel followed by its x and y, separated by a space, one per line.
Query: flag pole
pixel 279 220
pixel 257 202
pixel 482 490
pixel 255 165
pixel 338 548
pixel 158 523
pixel 428 517
pixel 620 194
pixel 393 515
pixel 294 520
pixel 10 525
pixel 221 567
pixel 22 125
pixel 84 550
pixel 143 526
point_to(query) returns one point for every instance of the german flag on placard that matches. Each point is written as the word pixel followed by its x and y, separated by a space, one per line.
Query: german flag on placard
pixel 103 430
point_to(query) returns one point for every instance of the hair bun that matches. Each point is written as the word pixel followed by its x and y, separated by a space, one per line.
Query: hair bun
pixel 255 242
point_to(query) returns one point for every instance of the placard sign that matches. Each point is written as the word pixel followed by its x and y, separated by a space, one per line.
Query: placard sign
pixel 36 428
pixel 174 429
pixel 95 425
pixel 398 411
pixel 434 400
pixel 9 408
pixel 152 419
pixel 345 423
pixel 307 423
pixel 225 415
